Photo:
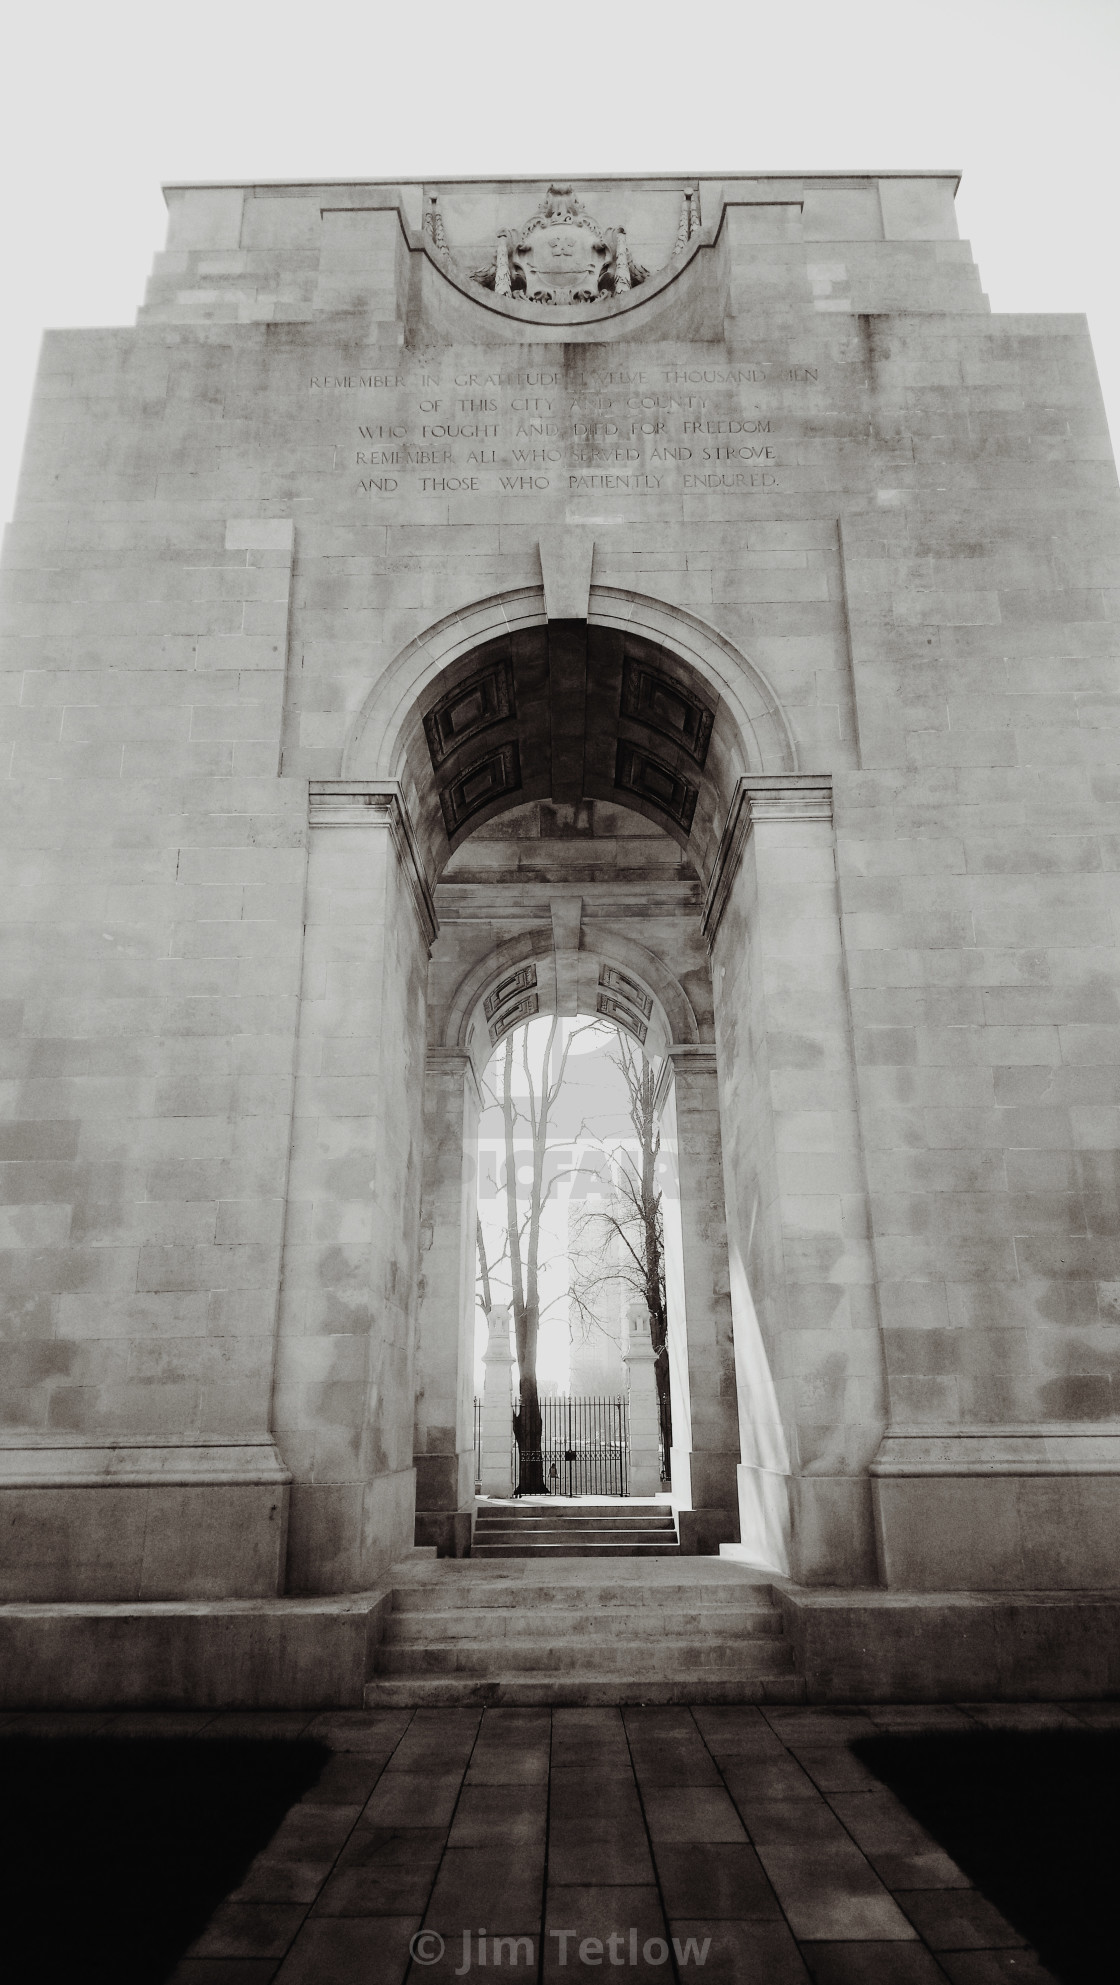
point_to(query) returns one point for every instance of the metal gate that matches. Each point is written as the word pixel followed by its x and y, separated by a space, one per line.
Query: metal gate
pixel 585 1447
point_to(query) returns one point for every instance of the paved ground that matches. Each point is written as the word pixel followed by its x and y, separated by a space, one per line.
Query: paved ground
pixel 621 1834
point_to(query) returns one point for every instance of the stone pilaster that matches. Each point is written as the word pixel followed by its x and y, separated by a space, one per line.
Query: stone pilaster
pixel 808 1347
pixel 444 1432
pixel 344 1380
pixel 701 1346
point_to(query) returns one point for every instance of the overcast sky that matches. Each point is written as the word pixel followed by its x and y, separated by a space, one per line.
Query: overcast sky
pixel 101 102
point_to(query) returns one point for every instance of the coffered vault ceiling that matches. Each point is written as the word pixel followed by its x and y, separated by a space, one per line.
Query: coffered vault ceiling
pixel 569 712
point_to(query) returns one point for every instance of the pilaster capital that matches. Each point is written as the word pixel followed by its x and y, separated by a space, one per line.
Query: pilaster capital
pixel 792 796
pixel 378 803
pixel 455 1062
pixel 499 1350
pixel 683 1059
pixel 639 1349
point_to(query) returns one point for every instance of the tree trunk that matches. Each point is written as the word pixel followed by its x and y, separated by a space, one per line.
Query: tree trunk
pixel 525 1237
pixel 523 1284
pixel 483 1267
pixel 642 1089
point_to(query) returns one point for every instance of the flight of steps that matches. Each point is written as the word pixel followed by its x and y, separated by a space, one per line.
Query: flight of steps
pixel 553 1527
pixel 533 1630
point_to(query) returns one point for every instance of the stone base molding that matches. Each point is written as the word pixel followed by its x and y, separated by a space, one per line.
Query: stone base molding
pixel 191 1654
pixel 869 1646
pixel 318 1653
pixel 1006 1508
pixel 142 1521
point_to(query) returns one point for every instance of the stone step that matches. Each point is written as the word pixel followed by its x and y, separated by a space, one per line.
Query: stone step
pixel 493 1591
pixel 572 1547
pixel 658 1505
pixel 580 1688
pixel 550 1527
pixel 601 1657
pixel 487 1532
pixel 528 1533
pixel 613 1517
pixel 631 1625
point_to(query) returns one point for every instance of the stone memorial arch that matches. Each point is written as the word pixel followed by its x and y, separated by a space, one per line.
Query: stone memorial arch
pixel 679 601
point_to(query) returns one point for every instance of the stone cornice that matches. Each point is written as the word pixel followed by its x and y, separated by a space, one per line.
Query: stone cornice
pixel 378 803
pixel 791 796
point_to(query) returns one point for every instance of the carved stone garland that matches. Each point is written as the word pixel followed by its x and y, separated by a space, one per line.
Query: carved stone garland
pixel 689 223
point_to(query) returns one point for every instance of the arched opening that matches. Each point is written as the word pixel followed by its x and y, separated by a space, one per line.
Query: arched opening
pixel 570 784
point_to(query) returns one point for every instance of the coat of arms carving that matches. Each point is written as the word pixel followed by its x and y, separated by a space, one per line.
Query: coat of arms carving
pixel 561 255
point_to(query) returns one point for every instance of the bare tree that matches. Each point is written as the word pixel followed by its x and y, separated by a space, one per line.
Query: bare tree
pixel 486 1268
pixel 523 1229
pixel 622 1237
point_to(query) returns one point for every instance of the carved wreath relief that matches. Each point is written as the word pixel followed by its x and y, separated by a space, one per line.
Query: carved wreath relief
pixel 561 255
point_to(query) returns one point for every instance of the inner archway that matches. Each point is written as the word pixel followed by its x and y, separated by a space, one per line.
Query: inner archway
pixel 571 1317
pixel 593 908
pixel 570 784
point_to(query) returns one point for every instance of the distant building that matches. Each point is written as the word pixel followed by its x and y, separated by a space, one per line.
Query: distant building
pixel 598 1321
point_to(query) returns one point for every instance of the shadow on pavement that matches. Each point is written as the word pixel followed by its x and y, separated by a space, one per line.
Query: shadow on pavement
pixel 1033 1819
pixel 116 1853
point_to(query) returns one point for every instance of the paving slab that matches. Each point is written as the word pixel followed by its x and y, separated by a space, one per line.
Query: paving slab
pixel 752 1848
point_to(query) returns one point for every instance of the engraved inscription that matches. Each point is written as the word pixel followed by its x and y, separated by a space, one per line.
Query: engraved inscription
pixel 621 432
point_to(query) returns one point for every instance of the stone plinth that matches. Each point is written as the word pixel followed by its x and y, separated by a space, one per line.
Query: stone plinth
pixel 134 1521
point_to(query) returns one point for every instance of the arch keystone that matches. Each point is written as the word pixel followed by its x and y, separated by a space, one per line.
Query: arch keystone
pixel 566 558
